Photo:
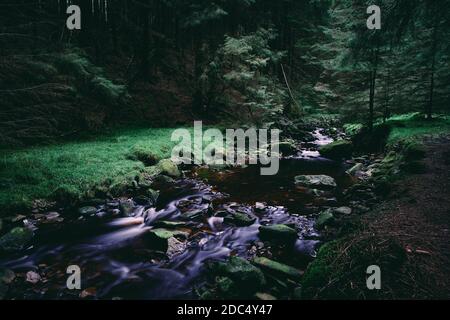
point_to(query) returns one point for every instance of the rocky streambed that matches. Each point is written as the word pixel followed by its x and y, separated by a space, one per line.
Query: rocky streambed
pixel 214 233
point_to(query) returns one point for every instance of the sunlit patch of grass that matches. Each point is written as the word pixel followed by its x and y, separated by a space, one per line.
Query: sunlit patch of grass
pixel 76 167
pixel 413 125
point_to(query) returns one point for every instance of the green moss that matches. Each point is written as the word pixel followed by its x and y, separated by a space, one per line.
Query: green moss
pixel 277 267
pixel 76 168
pixel 106 91
pixel 337 150
pixel 351 129
pixel 144 154
pixel 320 270
pixel 414 125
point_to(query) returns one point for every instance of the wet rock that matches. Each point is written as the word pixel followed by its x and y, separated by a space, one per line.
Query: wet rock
pixel 278 233
pixel 343 211
pixel 87 211
pixel 248 277
pixel 260 207
pixel 33 277
pixel 153 195
pixel 193 214
pixel 169 168
pixel 276 267
pixel 6 278
pixel 168 224
pixel 337 150
pixel 159 238
pixel 52 217
pixel 102 214
pixel 240 219
pixel 325 218
pixel 175 247
pixel 113 204
pixel 316 182
pixel 265 296
pixel 357 167
pixel 16 239
pixel 127 207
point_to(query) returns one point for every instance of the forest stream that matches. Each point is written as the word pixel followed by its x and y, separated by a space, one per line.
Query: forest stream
pixel 161 250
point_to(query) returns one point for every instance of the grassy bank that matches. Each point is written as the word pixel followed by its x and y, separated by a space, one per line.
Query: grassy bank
pixel 77 168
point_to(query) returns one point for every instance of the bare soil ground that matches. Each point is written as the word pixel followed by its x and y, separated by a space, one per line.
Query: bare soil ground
pixel 418 218
pixel 406 235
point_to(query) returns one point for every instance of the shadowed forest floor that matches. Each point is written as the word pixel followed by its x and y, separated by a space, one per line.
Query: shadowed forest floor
pixel 407 236
pixel 418 216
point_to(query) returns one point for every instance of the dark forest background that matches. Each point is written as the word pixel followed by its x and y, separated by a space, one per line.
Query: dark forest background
pixel 167 62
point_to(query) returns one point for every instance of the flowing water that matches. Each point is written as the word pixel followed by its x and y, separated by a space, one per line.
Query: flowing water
pixel 120 256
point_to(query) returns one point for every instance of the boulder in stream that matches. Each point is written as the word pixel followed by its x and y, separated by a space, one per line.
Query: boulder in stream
pixel 87 211
pixel 169 168
pixel 337 150
pixel 321 182
pixel 240 219
pixel 248 277
pixel 325 218
pixel 277 267
pixel 16 239
pixel 278 233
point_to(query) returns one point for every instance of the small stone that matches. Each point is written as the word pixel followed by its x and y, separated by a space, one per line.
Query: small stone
pixel 343 210
pixel 175 247
pixel 265 296
pixel 33 277
pixel 87 211
pixel 277 267
pixel 113 204
pixel 325 218
pixel 357 167
pixel 7 276
pixel 259 206
pixel 278 233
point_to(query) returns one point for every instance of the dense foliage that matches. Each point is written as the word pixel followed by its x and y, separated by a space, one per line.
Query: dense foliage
pixel 169 61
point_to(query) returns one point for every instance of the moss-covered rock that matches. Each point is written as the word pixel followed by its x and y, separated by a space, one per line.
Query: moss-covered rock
pixel 278 233
pixel 169 168
pixel 319 271
pixel 337 150
pixel 158 239
pixel 15 240
pixel 144 155
pixel 248 277
pixel 278 268
pixel 325 218
pixel 87 211
pixel 322 182
pixel 240 219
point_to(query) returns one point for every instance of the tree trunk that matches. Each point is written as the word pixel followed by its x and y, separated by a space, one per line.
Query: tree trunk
pixel 429 110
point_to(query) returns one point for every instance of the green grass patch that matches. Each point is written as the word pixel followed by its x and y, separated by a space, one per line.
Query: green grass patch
pixel 78 168
pixel 413 125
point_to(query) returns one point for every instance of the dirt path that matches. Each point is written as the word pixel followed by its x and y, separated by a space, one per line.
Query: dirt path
pixel 418 218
